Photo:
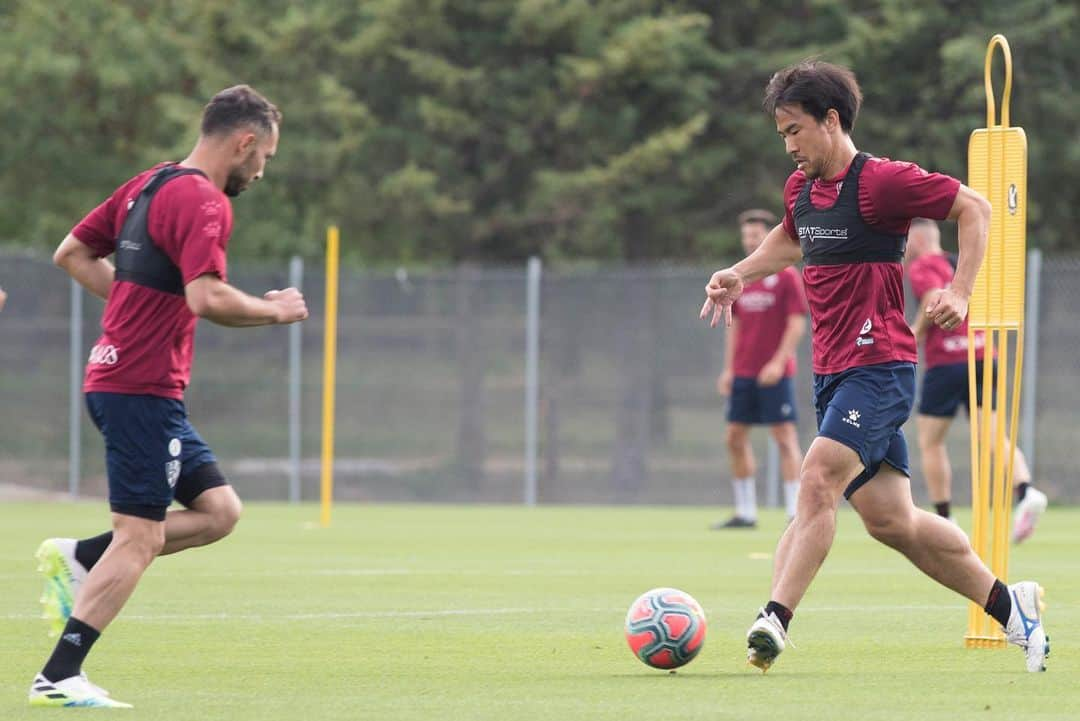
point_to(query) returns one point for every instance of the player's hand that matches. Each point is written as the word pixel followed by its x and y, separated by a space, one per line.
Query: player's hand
pixel 723 383
pixel 723 290
pixel 290 304
pixel 947 309
pixel 770 374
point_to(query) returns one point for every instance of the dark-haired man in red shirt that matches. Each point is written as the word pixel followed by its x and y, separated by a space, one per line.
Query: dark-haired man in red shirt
pixel 167 230
pixel 847 217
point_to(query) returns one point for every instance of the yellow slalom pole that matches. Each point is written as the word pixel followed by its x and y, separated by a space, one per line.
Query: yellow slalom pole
pixel 329 367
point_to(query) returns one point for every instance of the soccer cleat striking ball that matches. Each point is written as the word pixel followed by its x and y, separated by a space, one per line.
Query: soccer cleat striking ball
pixel 665 628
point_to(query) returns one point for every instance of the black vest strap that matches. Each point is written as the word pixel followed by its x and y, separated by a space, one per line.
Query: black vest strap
pixel 138 260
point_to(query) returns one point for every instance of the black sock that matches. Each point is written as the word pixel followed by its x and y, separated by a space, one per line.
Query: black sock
pixel 781 612
pixel 70 652
pixel 943 509
pixel 1021 490
pixel 998 603
pixel 89 551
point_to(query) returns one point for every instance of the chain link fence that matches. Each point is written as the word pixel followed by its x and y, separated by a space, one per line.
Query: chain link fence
pixel 431 394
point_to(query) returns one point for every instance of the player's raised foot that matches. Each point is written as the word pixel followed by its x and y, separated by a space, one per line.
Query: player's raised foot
pixel 734 522
pixel 1025 627
pixel 1027 514
pixel 63 576
pixel 765 641
pixel 74 692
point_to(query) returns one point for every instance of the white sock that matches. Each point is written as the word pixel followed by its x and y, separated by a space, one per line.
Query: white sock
pixel 791 496
pixel 745 498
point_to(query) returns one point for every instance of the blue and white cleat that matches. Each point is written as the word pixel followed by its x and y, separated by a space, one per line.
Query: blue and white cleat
pixel 765 640
pixel 63 576
pixel 73 692
pixel 1025 627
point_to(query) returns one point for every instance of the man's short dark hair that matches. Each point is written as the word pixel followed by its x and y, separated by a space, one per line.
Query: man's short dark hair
pixel 816 86
pixel 237 107
pixel 756 215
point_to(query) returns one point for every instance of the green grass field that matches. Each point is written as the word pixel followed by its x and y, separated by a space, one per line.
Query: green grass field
pixel 507 613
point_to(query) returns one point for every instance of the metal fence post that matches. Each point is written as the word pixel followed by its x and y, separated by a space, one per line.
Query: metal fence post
pixel 296 280
pixel 75 390
pixel 532 377
pixel 1031 357
pixel 772 474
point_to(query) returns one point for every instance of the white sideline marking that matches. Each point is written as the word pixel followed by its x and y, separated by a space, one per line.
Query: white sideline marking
pixel 448 612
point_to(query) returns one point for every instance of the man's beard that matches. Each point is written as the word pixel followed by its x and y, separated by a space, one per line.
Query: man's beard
pixel 234 185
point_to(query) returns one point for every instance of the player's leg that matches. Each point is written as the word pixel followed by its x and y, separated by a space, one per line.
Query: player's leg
pixel 786 436
pixel 942 551
pixel 742 413
pixel 935 461
pixel 778 410
pixel 944 388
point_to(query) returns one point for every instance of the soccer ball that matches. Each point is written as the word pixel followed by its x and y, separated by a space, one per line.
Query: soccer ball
pixel 665 628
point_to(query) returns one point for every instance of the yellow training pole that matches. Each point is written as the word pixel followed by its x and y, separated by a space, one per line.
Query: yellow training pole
pixel 997 168
pixel 329 366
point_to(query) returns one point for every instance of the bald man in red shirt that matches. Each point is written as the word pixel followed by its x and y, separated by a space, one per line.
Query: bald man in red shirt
pixel 945 382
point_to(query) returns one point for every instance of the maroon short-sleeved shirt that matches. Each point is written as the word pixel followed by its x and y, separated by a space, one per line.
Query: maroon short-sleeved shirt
pixel 148 336
pixel 763 310
pixel 943 347
pixel 891 193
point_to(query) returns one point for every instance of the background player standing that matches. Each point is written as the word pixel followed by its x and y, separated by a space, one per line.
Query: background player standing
pixel 168 229
pixel 945 382
pixel 768 321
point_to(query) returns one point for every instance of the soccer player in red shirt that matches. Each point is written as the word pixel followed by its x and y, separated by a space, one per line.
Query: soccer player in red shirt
pixel 847 217
pixel 945 382
pixel 768 321
pixel 167 230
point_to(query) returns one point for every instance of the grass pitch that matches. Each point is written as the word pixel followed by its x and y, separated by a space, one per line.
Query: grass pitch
pixel 507 613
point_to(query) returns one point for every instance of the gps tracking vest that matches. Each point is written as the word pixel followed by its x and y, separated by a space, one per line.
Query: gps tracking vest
pixel 137 259
pixel 837 235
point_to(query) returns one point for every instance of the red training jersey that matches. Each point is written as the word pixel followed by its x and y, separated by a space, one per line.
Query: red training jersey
pixel 763 310
pixel 857 306
pixel 148 336
pixel 930 272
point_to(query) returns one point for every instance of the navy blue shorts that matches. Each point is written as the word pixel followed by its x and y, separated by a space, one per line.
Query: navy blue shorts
pixel 753 404
pixel 864 408
pixel 945 387
pixel 152 453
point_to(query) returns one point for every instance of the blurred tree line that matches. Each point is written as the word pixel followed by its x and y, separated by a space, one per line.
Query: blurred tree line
pixel 448 130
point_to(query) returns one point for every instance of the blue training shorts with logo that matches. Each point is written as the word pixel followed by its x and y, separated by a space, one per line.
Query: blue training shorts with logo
pixel 865 408
pixel 945 387
pixel 755 404
pixel 152 453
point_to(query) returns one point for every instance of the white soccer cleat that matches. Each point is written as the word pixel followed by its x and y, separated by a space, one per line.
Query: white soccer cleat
pixel 1027 514
pixel 765 640
pixel 1025 627
pixel 63 576
pixel 75 691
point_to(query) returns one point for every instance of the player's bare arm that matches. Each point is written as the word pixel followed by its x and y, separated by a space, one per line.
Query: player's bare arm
pixel 79 260
pixel 776 252
pixel 947 308
pixel 209 297
pixel 773 371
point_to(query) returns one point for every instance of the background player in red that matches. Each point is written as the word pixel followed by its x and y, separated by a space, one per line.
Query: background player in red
pixel 847 215
pixel 945 382
pixel 167 230
pixel 768 321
